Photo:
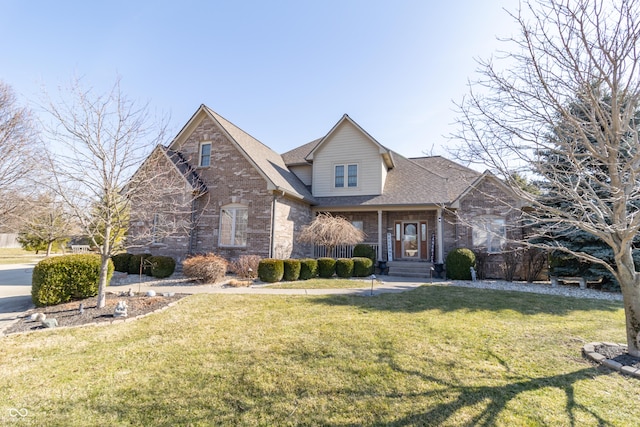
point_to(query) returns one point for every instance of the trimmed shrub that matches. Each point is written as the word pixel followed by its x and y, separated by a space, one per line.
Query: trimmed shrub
pixel 344 267
pixel 246 267
pixel 208 268
pixel 308 268
pixel 271 270
pixel 291 269
pixel 65 278
pixel 364 250
pixel 459 262
pixel 121 262
pixel 362 267
pixel 162 266
pixel 134 263
pixel 326 267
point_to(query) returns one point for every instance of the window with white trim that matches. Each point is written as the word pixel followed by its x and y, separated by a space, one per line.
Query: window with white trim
pixel 352 175
pixel 205 154
pixel 490 233
pixel 233 225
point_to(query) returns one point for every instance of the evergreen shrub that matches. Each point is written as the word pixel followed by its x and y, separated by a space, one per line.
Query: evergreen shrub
pixel 459 262
pixel 344 267
pixel 65 278
pixel 121 262
pixel 291 269
pixel 271 270
pixel 362 267
pixel 308 268
pixel 326 267
pixel 364 250
pixel 134 263
pixel 162 266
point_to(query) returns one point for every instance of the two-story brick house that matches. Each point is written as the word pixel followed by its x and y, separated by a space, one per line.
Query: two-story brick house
pixel 413 211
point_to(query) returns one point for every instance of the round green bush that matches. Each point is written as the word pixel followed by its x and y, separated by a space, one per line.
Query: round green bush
pixel 162 266
pixel 459 263
pixel 308 268
pixel 362 267
pixel 291 269
pixel 65 278
pixel 270 270
pixel 344 267
pixel 134 263
pixel 326 267
pixel 364 250
pixel 121 262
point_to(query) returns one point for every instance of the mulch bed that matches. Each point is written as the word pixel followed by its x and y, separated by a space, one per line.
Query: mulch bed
pixel 68 314
pixel 618 354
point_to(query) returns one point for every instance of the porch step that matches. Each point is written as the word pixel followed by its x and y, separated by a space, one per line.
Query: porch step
pixel 409 269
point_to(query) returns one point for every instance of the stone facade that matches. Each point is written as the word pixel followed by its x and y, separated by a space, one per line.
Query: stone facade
pixel 291 216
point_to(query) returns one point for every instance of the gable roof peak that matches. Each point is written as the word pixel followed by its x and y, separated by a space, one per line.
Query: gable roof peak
pixel 387 154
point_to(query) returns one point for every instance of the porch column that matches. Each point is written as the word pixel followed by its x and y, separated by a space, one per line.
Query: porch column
pixel 380 235
pixel 440 225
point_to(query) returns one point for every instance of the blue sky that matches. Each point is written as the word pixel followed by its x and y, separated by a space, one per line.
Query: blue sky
pixel 284 71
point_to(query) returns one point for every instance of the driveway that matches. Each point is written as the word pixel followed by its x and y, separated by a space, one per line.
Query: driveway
pixel 15 291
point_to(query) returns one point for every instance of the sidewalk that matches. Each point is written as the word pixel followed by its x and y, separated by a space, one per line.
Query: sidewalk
pixel 381 285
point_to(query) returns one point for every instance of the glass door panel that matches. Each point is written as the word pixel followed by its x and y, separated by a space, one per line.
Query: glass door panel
pixel 410 240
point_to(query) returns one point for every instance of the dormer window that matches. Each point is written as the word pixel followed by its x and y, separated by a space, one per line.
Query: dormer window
pixel 205 154
pixel 352 175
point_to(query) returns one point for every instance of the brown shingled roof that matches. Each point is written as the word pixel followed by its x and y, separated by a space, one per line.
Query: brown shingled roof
pixel 459 177
pixel 297 155
pixel 265 159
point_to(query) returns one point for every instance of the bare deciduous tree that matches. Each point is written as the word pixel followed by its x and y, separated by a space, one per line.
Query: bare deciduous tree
pixel 515 115
pixel 330 231
pixel 96 144
pixel 46 222
pixel 17 146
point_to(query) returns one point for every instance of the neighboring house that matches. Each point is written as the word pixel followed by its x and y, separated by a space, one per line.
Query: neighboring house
pixel 255 201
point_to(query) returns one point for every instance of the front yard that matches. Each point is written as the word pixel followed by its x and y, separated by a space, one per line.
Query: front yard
pixel 432 356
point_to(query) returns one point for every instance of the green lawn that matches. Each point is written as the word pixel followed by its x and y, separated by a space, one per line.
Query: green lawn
pixel 432 356
pixel 18 256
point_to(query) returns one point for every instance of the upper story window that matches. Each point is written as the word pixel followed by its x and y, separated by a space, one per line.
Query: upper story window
pixel 233 225
pixel 489 232
pixel 205 154
pixel 352 175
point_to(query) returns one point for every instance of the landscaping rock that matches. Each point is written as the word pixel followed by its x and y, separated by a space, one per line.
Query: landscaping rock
pixel 50 323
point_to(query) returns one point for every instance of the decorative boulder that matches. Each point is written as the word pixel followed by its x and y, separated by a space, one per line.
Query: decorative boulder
pixel 38 317
pixel 50 323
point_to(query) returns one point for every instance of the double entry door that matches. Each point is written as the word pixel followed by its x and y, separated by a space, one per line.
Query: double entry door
pixel 411 238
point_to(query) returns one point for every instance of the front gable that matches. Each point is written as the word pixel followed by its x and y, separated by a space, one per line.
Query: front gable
pixel 349 162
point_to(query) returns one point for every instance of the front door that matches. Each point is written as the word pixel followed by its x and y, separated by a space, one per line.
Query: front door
pixel 410 237
pixel 411 240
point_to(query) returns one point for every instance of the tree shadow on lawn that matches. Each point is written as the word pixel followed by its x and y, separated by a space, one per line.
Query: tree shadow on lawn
pixel 496 398
pixel 449 298
pixel 251 402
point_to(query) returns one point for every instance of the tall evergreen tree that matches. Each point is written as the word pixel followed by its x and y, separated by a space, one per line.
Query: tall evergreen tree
pixel 571 240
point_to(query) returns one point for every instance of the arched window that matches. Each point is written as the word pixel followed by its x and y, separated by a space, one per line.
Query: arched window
pixel 233 225
pixel 490 233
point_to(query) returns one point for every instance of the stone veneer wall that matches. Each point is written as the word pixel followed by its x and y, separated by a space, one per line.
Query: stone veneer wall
pixel 291 216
